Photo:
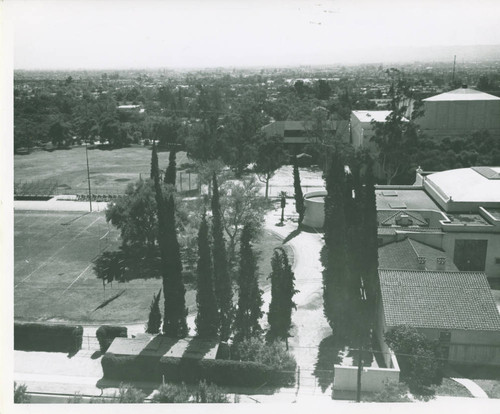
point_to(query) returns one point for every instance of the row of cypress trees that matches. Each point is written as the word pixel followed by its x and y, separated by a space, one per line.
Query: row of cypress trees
pixel 349 256
pixel 215 293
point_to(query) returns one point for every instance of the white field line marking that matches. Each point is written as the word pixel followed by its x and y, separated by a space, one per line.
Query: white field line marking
pixel 78 277
pixel 58 250
pixel 104 235
pixel 35 223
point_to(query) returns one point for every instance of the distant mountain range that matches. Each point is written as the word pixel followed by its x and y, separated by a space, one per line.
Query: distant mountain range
pixel 428 54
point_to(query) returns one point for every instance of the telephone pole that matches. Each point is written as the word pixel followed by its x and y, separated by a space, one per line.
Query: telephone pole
pixel 88 174
pixel 360 370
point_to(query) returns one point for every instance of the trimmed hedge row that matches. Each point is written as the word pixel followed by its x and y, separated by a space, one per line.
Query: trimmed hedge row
pixel 107 333
pixel 220 372
pixel 47 337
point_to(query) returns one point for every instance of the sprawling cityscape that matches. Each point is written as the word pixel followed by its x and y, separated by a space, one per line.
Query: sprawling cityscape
pixel 315 233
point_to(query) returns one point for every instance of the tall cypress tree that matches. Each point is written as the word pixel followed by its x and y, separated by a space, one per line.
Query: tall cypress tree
pixel 171 172
pixel 223 287
pixel 282 292
pixel 370 237
pixel 334 255
pixel 175 323
pixel 246 324
pixel 154 320
pixel 299 196
pixel 173 288
pixel 207 319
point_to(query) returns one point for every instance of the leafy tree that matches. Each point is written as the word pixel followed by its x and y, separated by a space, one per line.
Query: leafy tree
pixel 209 393
pixel 397 137
pixel 223 286
pixel 282 292
pixel 154 320
pixel 240 204
pixel 207 320
pixel 299 196
pixel 417 358
pixel 246 324
pixel 271 155
pixel 135 214
pixel 20 394
pixel 59 134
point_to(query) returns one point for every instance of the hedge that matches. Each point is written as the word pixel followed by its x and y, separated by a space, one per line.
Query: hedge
pixel 220 372
pixel 47 337
pixel 107 333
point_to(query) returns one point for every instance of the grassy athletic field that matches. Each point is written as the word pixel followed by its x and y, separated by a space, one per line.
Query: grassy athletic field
pixel 54 277
pixel 110 171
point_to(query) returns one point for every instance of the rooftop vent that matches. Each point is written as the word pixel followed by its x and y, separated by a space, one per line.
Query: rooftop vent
pixel 404 220
pixel 440 263
pixel 421 262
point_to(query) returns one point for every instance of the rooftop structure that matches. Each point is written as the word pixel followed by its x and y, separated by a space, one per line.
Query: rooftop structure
pixel 369 116
pixel 441 300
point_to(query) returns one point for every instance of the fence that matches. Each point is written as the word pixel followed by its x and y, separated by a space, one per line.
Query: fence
pixel 185 182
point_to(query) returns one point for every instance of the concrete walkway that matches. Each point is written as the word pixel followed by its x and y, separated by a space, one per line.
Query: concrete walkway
pixel 309 323
pixel 472 387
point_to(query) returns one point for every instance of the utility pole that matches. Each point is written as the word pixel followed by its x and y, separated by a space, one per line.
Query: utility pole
pixel 360 370
pixel 88 174
pixel 454 64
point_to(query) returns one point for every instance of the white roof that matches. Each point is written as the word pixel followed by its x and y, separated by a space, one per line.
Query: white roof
pixel 368 116
pixel 469 184
pixel 463 94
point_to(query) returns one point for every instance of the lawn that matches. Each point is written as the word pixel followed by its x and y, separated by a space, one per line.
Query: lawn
pixel 110 171
pixel 54 277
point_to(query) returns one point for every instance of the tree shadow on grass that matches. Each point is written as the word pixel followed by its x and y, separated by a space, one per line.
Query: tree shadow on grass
pixel 96 355
pixel 127 264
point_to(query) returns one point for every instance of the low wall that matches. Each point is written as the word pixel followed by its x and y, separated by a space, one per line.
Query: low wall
pixel 372 379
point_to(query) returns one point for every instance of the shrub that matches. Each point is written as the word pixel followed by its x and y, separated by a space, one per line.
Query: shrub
pixel 127 394
pixel 209 393
pixel 107 333
pixel 392 392
pixel 271 354
pixel 171 393
pixel 47 338
pixel 20 394
pixel 204 393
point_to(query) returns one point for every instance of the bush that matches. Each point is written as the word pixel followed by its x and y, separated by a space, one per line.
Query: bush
pixel 107 333
pixel 392 392
pixel 127 394
pixel 47 338
pixel 20 394
pixel 172 393
pixel 272 354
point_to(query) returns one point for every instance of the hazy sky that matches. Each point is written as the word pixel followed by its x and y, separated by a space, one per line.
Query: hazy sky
pixel 152 33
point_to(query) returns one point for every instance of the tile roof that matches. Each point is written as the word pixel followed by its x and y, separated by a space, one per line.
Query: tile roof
pixel 439 300
pixel 405 254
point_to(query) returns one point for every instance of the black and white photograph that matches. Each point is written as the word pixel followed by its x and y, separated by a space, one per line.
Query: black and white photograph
pixel 291 203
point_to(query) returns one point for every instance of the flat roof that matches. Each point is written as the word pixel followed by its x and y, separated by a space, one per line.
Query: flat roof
pixel 463 94
pixel 369 116
pixel 404 199
pixel 468 184
pixel 162 346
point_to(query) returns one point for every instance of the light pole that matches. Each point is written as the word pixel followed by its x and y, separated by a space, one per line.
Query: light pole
pixel 88 173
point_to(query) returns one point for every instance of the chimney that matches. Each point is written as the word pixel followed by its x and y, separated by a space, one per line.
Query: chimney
pixel 421 262
pixel 440 263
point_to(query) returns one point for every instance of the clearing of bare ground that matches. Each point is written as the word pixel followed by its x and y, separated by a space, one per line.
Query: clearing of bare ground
pixel 54 278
